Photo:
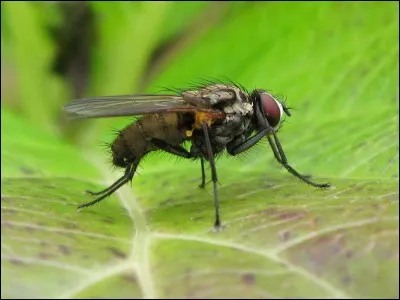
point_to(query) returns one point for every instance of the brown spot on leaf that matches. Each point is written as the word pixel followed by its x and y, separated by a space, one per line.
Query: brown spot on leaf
pixel 349 254
pixel 248 279
pixel 284 236
pixel 6 199
pixel 109 220
pixel 165 183
pixel 346 280
pixel 269 211
pixel 15 261
pixel 116 252
pixel 269 185
pixel 6 224
pixel 314 221
pixel 360 145
pixel 64 249
pixel 27 171
pixel 130 278
pixel 45 255
pixel 8 211
pixel 88 212
pixel 165 202
pixel 325 251
pixel 69 225
pixel 44 243
pixel 284 215
pixel 30 229
pixel 86 256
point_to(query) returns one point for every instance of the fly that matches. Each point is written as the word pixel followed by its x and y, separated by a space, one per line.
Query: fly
pixel 213 117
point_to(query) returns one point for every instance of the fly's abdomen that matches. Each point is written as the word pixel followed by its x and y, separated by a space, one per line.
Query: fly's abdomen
pixel 134 141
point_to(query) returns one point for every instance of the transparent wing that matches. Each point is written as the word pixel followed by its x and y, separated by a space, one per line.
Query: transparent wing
pixel 126 105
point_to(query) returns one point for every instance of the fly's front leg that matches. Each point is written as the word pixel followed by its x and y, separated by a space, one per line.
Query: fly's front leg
pixel 281 158
pixel 238 147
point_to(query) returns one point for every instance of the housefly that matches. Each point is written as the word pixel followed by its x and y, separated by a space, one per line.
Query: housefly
pixel 212 116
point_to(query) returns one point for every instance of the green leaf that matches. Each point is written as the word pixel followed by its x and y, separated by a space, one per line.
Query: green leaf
pixel 281 238
pixel 337 63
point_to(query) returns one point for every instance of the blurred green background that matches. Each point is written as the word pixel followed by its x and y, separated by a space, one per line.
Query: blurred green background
pixel 336 64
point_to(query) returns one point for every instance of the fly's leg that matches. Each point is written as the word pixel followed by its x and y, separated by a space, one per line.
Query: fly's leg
pixel 182 152
pixel 236 148
pixel 108 188
pixel 276 149
pixel 280 154
pixel 129 172
pixel 173 149
pixel 179 151
pixel 210 155
pixel 281 158
pixel 203 175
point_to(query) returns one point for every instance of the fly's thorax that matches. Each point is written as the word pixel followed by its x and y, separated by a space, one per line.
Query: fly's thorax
pixel 240 108
pixel 221 134
pixel 221 96
pixel 233 102
pixel 201 117
pixel 237 112
pixel 239 104
pixel 233 126
pixel 212 91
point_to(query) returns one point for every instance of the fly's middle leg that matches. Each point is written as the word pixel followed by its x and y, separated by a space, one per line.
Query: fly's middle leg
pixel 210 154
pixel 203 174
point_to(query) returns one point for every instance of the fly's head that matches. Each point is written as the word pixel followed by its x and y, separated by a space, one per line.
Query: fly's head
pixel 268 110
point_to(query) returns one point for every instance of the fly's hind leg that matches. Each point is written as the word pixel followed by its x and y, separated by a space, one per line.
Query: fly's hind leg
pixel 173 149
pixel 108 188
pixel 182 152
pixel 129 172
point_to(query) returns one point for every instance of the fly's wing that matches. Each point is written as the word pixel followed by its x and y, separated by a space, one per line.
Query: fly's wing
pixel 128 105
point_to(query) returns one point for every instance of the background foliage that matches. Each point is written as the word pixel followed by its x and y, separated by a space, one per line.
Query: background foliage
pixel 336 63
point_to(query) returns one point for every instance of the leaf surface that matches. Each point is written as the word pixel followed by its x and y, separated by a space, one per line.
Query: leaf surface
pixel 337 64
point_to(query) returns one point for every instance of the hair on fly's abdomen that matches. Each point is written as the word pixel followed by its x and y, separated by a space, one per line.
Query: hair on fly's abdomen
pixel 135 140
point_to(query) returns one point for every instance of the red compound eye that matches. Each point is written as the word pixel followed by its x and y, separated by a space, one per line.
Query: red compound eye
pixel 272 109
